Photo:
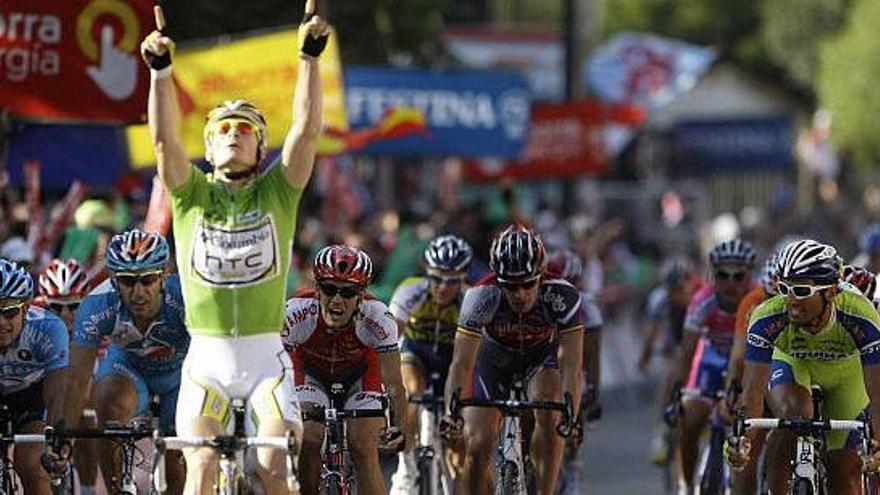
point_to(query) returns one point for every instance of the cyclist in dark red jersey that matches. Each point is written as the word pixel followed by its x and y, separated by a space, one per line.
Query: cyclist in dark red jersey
pixel 519 323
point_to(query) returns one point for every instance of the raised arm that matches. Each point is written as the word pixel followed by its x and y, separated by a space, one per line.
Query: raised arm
pixel 163 113
pixel 301 143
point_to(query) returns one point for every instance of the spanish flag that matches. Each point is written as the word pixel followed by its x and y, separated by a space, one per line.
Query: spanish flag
pixel 397 123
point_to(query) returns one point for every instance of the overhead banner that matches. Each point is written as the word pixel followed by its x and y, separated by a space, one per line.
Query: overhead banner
pixel 466 113
pixel 645 69
pixel 710 146
pixel 74 60
pixel 565 140
pixel 262 69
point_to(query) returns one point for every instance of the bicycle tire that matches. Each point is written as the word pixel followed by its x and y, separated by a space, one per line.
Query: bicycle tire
pixel 711 481
pixel 426 483
pixel 508 479
pixel 801 486
pixel 331 485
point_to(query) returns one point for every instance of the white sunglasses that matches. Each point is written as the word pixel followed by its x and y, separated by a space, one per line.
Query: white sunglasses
pixel 800 291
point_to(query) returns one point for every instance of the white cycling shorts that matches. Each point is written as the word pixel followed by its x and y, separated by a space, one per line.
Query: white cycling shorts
pixel 253 368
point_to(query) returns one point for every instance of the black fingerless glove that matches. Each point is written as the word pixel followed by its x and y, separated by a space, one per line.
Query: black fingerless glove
pixel 157 62
pixel 312 46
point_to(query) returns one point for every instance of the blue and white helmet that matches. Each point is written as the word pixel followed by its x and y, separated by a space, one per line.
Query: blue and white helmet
pixel 135 250
pixel 15 281
pixel 449 252
pixel 810 260
pixel 735 251
pixel 770 274
pixel 869 241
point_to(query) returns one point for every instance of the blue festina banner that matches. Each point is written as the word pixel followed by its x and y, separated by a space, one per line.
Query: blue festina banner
pixel 467 113
pixel 734 144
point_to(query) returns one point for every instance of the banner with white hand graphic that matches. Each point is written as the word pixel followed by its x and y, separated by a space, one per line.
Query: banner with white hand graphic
pixel 74 60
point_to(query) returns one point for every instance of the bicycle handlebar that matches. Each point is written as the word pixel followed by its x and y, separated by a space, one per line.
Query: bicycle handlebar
pixel 321 414
pixel 816 425
pixel 112 433
pixel 222 442
pixel 23 438
pixel 426 399
pixel 510 407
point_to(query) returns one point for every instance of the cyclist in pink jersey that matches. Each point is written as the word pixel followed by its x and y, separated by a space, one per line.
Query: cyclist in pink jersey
pixel 708 337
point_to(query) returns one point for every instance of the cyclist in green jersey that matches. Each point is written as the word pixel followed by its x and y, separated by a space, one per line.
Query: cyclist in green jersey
pixel 427 307
pixel 817 331
pixel 233 231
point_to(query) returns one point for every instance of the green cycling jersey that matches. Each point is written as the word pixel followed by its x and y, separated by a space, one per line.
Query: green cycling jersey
pixel 233 252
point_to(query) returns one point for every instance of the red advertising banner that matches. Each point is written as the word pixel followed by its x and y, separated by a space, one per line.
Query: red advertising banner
pixel 565 140
pixel 74 60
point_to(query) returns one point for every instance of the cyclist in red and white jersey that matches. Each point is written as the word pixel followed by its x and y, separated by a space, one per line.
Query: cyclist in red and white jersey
pixel 340 334
pixel 518 323
pixel 61 288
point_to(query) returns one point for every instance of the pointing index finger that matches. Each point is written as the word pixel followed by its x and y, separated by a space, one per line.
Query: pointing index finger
pixel 160 17
pixel 310 7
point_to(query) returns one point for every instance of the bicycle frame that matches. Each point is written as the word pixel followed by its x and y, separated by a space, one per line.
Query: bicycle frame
pixel 434 476
pixel 337 470
pixel 512 448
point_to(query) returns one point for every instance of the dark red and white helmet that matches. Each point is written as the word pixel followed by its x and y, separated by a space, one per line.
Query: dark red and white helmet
pixel 862 279
pixel 516 254
pixel 343 263
pixel 63 279
pixel 566 264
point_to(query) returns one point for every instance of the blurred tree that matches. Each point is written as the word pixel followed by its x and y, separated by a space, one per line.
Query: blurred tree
pixel 792 31
pixel 405 32
pixel 849 68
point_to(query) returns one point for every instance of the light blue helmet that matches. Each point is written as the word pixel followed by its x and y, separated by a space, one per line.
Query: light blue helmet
pixel 15 281
pixel 135 250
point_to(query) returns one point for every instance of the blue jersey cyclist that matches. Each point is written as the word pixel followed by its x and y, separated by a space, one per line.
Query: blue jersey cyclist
pixel 427 308
pixel 519 324
pixel 33 360
pixel 141 309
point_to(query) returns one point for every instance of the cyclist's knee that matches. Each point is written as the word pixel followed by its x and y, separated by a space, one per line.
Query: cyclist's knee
pixel 115 398
pixel 480 444
pixel 202 460
pixel 26 463
pixel 312 436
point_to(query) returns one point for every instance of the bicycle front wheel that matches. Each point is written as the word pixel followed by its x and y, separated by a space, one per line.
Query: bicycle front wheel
pixel 802 486
pixel 509 480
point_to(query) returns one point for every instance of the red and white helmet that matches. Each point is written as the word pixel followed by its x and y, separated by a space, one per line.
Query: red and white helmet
pixel 343 263
pixel 63 279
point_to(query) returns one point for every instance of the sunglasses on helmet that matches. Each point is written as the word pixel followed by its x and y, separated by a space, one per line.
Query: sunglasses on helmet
pixel 799 291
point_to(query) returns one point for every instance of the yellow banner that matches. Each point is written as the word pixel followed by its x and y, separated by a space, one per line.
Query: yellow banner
pixel 261 69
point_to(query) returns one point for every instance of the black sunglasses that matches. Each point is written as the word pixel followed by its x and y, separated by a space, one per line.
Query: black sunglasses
pixel 11 312
pixel 441 280
pixel 59 307
pixel 527 285
pixel 724 275
pixel 130 279
pixel 347 292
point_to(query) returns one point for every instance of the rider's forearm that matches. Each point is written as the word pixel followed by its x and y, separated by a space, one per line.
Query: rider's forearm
pixel 755 378
pixel 464 355
pixel 570 362
pixel 300 144
pixel 76 382
pixel 389 364
pixel 163 113
pixel 592 357
pixel 53 394
pixel 872 384
pixel 688 346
